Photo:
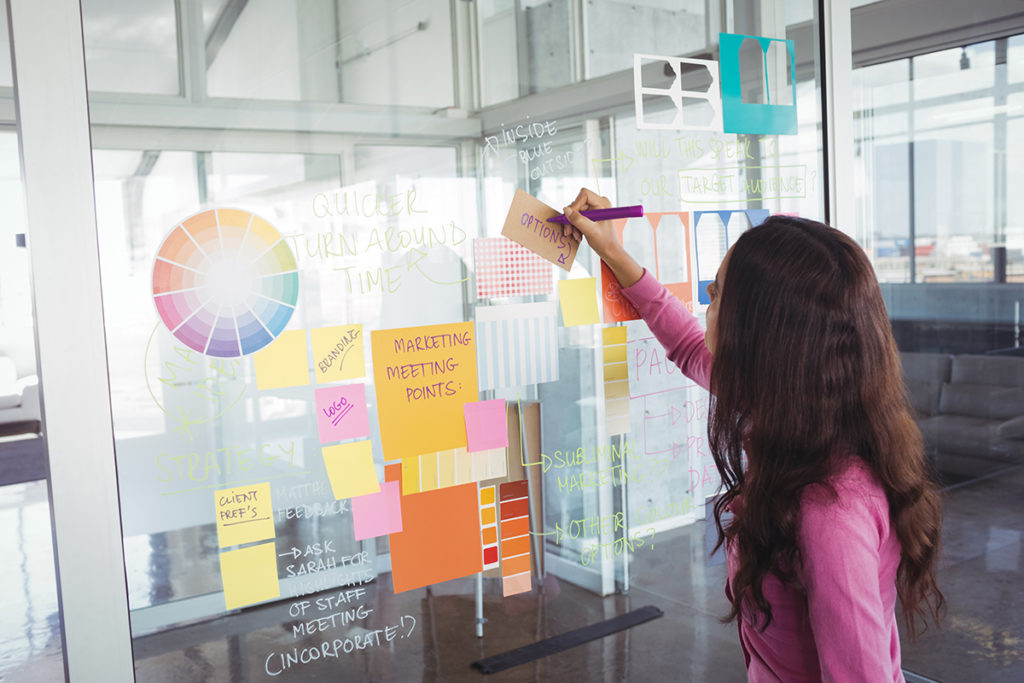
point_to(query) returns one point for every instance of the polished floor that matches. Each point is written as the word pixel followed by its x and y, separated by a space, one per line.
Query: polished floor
pixel 982 638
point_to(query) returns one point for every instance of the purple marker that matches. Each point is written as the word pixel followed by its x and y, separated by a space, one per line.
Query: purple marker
pixel 635 211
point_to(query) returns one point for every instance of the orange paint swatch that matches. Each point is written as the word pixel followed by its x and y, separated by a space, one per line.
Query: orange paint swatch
pixel 440 538
pixel 489 529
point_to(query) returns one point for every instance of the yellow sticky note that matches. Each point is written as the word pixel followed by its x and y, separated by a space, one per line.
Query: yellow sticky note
pixel 283 363
pixel 244 514
pixel 338 353
pixel 579 301
pixel 350 469
pixel 249 575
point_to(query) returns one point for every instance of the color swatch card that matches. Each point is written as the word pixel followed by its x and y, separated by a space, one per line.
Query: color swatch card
pixel 350 469
pixel 527 223
pixel 504 268
pixel 486 425
pixel 378 514
pixel 249 575
pixel 517 344
pixel 338 353
pixel 489 526
pixel 423 377
pixel 440 538
pixel 515 538
pixel 341 412
pixel 579 301
pixel 225 283
pixel 244 514
pixel 283 363
pixel 439 470
pixel 616 381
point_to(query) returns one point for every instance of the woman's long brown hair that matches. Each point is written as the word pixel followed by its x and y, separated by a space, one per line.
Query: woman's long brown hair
pixel 806 368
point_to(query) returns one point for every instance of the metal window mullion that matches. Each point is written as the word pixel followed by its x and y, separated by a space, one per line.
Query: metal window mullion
pixel 578 31
pixel 191 33
pixel 53 125
pixel 837 113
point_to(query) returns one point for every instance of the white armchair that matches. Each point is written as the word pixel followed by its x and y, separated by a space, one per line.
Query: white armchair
pixel 19 397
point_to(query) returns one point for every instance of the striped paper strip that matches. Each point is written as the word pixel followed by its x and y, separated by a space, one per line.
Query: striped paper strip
pixel 516 344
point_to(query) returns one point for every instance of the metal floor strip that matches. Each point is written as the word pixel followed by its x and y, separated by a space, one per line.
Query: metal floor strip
pixel 564 641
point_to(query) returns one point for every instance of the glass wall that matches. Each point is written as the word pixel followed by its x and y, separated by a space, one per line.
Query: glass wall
pixel 287 194
pixel 311 306
pixel 917 118
pixel 938 126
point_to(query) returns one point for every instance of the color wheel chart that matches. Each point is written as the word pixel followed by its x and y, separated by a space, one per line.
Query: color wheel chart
pixel 225 282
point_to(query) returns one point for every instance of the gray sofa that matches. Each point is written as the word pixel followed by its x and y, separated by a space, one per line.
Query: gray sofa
pixel 970 409
pixel 19 400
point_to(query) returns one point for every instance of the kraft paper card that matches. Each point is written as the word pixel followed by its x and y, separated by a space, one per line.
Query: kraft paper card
pixel 527 224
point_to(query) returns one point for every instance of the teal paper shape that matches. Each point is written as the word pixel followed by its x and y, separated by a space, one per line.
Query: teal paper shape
pixel 746 117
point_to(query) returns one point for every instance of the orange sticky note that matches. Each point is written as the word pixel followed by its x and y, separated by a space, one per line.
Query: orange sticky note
pixel 423 377
pixel 440 538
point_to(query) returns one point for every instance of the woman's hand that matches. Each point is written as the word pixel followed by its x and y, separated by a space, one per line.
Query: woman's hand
pixel 601 237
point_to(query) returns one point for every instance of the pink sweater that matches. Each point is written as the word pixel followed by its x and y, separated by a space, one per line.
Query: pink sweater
pixel 840 623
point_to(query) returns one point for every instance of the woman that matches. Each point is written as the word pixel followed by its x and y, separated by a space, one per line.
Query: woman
pixel 822 465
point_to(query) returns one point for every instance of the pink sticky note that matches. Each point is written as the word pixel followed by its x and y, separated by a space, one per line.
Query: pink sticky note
pixel 341 412
pixel 378 514
pixel 486 427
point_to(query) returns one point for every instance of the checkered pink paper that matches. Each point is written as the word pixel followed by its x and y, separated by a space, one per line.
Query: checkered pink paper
pixel 504 268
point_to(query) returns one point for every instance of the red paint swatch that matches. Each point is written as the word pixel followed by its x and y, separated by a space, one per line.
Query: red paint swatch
pixel 515 538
